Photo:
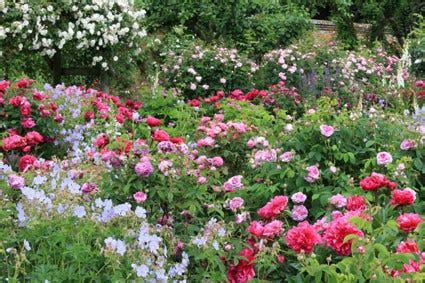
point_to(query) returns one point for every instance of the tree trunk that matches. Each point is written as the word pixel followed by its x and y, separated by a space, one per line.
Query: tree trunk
pixel 56 67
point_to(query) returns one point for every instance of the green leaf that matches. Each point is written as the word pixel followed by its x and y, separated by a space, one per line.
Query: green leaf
pixel 418 164
pixel 361 223
pixel 370 143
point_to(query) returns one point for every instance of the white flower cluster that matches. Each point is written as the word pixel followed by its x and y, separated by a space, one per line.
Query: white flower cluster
pixel 96 27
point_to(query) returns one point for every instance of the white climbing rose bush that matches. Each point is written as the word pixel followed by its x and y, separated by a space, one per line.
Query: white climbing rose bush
pixel 97 32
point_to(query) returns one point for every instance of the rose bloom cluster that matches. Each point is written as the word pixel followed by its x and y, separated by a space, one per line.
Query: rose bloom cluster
pixel 194 68
pixel 377 181
pixel 216 129
pixel 32 105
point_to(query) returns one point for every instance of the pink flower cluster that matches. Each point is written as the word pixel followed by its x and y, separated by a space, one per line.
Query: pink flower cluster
pixel 260 142
pixel 408 144
pixel 216 128
pixel 287 156
pixel 16 182
pixel 336 232
pixel 209 163
pixel 273 208
pixel 269 230
pixel 313 174
pixel 403 197
pixel 338 201
pixel 384 158
pixel 234 183
pixel 302 238
pixel 144 167
pixel 376 181
pixel 327 130
pixel 265 155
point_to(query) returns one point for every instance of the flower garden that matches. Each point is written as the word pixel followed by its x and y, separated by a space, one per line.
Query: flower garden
pixel 305 162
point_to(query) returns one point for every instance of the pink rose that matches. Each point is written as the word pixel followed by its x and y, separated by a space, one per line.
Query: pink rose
pixel 408 145
pixel 140 197
pixel 326 130
pixel 16 182
pixel 201 180
pixel 255 228
pixel 287 156
pixel 233 183
pixel 299 213
pixel 217 161
pixel 298 197
pixel 235 203
pixel 384 158
pixel 28 123
pixel 313 174
pixel 273 229
pixel 338 201
pixel 89 188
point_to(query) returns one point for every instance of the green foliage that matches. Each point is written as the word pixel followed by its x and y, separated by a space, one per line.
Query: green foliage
pixel 417 48
pixel 254 26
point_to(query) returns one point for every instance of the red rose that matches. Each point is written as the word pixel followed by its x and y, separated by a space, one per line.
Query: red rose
pixel 4 85
pixel 33 138
pixel 13 132
pixel 53 106
pixel 376 181
pixel 302 237
pixel 252 94
pixel 403 197
pixel 13 142
pixel 38 95
pixel 128 145
pixel 137 105
pixel 194 103
pixel 26 109
pixel 409 246
pixel 408 222
pixel 16 101
pixel 28 123
pixel 244 270
pixel 26 162
pixel 214 98
pixel 281 258
pixel 177 140
pixel 58 118
pixel 115 99
pixel 125 112
pixel 335 234
pixel 160 135
pixel 273 208
pixel 120 118
pixel 255 228
pixel 220 93
pixel 44 113
pixel 101 140
pixel 153 122
pixel 89 115
pixel 24 83
pixel 356 203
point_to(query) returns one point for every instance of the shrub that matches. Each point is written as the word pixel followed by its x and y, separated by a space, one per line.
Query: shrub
pixel 72 34
pixel 199 71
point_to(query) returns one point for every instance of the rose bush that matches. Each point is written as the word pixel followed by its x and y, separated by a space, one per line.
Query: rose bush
pixel 238 185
